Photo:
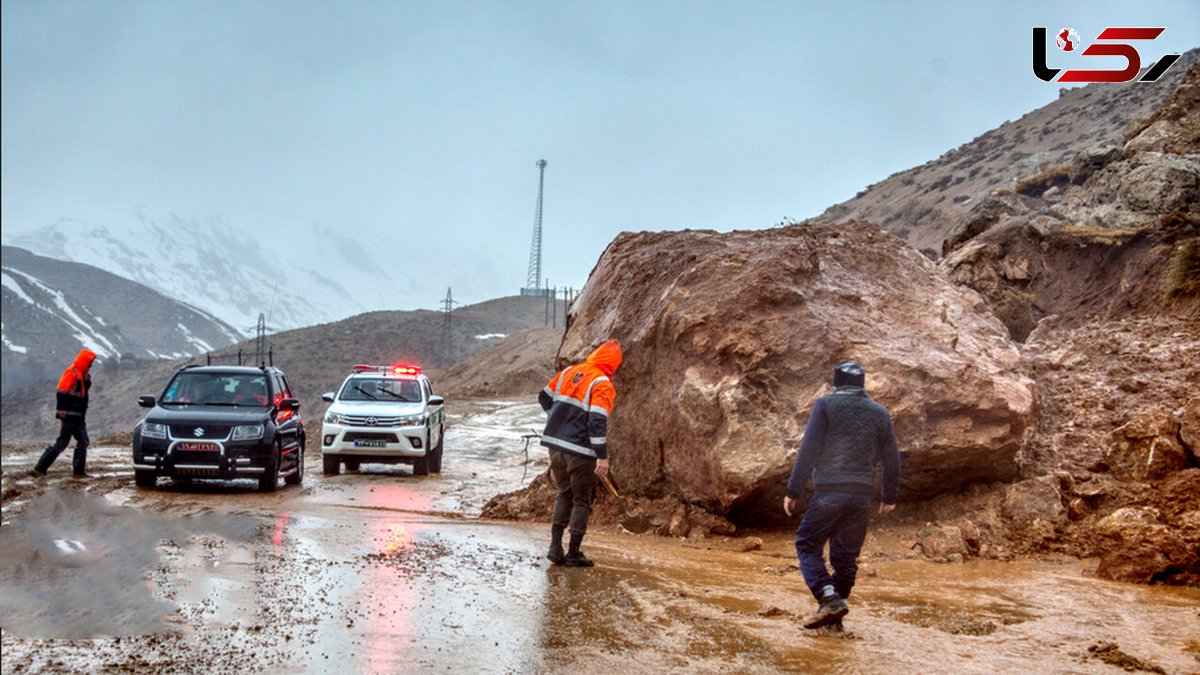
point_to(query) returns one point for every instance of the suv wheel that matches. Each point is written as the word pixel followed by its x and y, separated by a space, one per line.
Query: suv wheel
pixel 331 464
pixel 353 464
pixel 269 481
pixel 145 479
pixel 297 476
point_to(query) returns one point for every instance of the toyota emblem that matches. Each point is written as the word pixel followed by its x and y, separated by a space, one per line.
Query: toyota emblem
pixel 372 421
pixel 198 432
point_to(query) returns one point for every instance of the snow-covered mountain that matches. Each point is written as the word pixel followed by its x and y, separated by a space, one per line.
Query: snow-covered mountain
pixel 296 275
pixel 53 308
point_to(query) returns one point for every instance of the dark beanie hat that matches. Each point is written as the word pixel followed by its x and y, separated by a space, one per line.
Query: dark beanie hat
pixel 849 374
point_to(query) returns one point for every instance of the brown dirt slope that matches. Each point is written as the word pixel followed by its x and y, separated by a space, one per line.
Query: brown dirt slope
pixel 517 366
pixel 922 204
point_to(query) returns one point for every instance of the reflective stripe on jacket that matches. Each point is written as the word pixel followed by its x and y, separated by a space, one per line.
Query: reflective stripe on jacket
pixel 579 400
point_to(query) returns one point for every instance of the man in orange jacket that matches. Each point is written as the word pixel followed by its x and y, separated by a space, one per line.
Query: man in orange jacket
pixel 71 404
pixel 579 400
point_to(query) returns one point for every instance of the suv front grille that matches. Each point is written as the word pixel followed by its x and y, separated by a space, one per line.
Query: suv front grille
pixel 361 421
pixel 207 431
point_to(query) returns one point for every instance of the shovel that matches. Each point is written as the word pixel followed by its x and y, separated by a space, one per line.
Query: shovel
pixel 636 524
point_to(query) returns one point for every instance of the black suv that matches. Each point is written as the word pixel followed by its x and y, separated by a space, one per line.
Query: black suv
pixel 221 422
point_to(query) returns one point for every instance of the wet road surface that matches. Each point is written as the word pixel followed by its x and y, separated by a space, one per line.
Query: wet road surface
pixel 381 571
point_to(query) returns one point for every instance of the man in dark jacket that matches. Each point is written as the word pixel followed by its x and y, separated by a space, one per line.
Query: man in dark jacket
pixel 579 400
pixel 71 404
pixel 846 435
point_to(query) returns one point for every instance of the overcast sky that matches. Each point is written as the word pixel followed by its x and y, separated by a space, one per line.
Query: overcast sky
pixel 413 123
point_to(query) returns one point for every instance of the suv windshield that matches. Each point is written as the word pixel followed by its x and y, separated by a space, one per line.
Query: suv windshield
pixel 380 389
pixel 218 389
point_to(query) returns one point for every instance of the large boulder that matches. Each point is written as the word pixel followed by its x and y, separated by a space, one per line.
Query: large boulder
pixel 1147 447
pixel 1139 547
pixel 729 338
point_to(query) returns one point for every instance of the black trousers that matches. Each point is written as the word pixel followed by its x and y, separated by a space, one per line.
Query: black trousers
pixel 576 480
pixel 71 427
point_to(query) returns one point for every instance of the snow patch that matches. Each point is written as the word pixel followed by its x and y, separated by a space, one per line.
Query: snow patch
pixel 490 336
pixel 87 336
pixel 193 340
pixel 9 345
pixel 12 285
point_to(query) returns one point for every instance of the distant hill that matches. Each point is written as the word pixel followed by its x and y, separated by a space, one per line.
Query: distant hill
pixel 922 204
pixel 298 276
pixel 315 360
pixel 53 308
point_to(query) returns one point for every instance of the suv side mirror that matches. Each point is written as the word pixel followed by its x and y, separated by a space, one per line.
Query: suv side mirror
pixel 436 400
pixel 146 401
pixel 327 396
pixel 289 404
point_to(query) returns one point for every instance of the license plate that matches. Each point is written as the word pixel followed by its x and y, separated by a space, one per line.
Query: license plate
pixel 190 446
pixel 370 443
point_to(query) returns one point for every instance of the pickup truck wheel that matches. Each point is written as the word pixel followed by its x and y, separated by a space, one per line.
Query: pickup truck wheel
pixel 421 466
pixel 331 464
pixel 269 481
pixel 145 479
pixel 297 476
pixel 436 463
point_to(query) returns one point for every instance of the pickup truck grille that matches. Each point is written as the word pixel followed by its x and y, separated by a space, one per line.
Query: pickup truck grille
pixel 364 421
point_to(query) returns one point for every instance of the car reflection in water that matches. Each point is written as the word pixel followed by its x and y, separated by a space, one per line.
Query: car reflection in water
pixel 386 597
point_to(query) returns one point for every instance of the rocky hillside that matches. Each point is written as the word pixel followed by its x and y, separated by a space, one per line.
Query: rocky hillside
pixel 315 360
pixel 53 308
pixel 923 203
pixel 1074 429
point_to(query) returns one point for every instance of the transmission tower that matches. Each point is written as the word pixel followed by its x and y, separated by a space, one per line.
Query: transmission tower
pixel 533 279
pixel 260 341
pixel 447 329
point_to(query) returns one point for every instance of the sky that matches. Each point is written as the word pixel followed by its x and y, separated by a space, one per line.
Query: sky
pixel 414 127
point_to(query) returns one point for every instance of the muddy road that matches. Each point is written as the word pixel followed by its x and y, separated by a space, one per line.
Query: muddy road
pixel 381 571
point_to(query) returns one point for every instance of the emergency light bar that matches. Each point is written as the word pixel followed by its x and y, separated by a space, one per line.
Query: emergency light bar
pixel 397 369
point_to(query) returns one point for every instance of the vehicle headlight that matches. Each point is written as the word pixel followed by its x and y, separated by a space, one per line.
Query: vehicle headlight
pixel 154 430
pixel 247 432
pixel 333 418
pixel 413 420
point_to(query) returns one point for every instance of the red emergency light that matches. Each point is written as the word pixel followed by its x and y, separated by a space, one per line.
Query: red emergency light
pixel 398 369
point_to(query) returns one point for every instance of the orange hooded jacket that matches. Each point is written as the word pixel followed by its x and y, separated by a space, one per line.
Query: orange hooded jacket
pixel 72 394
pixel 579 400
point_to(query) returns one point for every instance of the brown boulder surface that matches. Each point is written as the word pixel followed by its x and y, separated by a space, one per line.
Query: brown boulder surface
pixel 729 338
pixel 1147 447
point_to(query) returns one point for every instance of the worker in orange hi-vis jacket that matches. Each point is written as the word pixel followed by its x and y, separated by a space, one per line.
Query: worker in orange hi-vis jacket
pixel 579 400
pixel 71 407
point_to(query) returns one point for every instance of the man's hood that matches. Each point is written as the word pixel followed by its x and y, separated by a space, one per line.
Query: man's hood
pixel 83 361
pixel 607 357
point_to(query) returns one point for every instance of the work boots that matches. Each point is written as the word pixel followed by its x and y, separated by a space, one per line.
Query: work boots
pixel 831 610
pixel 556 555
pixel 575 557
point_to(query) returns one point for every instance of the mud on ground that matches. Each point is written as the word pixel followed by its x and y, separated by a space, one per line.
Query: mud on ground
pixel 383 571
